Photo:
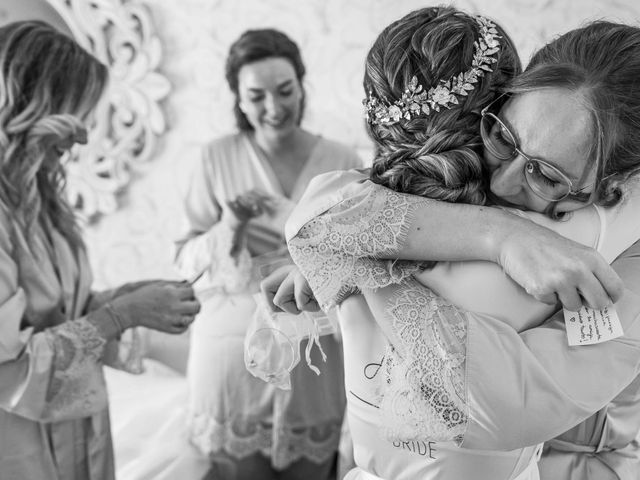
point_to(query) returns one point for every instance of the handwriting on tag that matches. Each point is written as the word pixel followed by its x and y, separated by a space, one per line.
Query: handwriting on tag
pixel 588 326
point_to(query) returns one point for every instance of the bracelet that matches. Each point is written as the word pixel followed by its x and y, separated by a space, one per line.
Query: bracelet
pixel 115 317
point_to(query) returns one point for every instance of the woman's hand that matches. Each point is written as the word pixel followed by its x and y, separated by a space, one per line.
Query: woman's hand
pixel 286 290
pixel 166 306
pixel 133 286
pixel 554 269
pixel 243 208
pixel 248 205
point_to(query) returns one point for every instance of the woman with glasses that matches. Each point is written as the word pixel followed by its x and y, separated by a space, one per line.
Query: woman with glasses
pixel 564 144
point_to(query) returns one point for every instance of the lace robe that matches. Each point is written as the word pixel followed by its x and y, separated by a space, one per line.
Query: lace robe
pixel 54 420
pixel 343 223
pixel 230 410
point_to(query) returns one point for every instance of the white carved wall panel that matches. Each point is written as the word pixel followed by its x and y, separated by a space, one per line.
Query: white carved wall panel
pixel 136 240
pixel 129 119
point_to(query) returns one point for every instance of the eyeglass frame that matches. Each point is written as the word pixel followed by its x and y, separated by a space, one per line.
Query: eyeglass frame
pixel 578 194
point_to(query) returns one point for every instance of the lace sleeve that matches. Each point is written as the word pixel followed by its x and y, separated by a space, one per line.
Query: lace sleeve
pixel 76 386
pixel 338 251
pixel 425 390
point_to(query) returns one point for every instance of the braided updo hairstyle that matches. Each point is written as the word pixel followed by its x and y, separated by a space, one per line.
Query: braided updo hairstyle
pixel 439 155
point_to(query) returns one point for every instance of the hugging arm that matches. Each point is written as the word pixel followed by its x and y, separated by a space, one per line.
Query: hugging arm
pixel 455 375
pixel 365 227
pixel 530 387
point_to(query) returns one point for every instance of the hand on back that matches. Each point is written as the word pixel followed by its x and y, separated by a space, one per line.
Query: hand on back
pixel 554 269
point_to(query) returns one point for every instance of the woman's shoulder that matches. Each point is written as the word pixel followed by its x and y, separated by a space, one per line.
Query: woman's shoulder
pixel 226 144
pixel 223 152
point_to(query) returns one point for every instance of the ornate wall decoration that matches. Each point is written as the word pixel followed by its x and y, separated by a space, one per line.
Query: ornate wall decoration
pixel 129 120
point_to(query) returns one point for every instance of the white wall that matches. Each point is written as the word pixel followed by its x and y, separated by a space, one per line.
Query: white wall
pixel 334 36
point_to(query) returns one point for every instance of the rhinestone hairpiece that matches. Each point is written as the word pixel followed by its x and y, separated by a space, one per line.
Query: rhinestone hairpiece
pixel 416 101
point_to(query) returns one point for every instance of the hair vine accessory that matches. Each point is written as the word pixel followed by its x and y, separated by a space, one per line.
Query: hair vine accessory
pixel 416 101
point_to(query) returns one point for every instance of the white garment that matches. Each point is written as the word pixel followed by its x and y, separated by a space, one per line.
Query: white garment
pixel 231 411
pixel 364 349
pixel 343 219
pixel 529 473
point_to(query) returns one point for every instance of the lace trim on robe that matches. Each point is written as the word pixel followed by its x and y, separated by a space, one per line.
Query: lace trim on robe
pixel 424 396
pixel 283 446
pixel 338 251
pixel 77 383
pixel 425 390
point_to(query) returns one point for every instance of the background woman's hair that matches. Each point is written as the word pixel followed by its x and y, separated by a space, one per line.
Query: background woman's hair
pixel 600 62
pixel 439 155
pixel 48 84
pixel 256 45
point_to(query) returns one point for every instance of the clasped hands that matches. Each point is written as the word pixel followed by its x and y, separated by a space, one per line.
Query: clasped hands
pixel 248 205
pixel 243 208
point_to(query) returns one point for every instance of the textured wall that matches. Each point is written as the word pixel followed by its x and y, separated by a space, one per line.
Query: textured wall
pixel 334 36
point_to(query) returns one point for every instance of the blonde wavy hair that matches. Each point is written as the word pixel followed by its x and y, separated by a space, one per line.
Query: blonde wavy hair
pixel 48 87
pixel 440 155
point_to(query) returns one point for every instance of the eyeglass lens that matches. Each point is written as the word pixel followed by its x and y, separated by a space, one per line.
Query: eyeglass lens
pixel 544 179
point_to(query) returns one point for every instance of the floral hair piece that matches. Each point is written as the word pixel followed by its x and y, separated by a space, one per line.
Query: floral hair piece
pixel 416 101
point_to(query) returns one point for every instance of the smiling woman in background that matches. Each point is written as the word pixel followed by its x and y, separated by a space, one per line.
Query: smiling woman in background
pixel 239 198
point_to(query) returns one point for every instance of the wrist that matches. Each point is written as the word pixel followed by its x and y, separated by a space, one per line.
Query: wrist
pixel 122 322
pixel 500 227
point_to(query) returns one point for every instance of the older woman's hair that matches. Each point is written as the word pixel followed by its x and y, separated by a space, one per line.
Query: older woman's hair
pixel 437 155
pixel 256 45
pixel 48 84
pixel 600 62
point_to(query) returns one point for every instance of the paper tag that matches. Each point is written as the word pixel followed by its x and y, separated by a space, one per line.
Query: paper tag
pixel 588 326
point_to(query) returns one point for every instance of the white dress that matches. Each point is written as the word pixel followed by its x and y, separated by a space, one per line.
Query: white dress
pixel 230 411
pixel 410 407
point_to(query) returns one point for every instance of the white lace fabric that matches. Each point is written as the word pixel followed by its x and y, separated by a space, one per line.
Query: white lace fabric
pixel 338 251
pixel 424 396
pixel 284 445
pixel 424 393
pixel 77 383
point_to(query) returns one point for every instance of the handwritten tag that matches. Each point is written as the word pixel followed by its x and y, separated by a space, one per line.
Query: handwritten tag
pixel 588 326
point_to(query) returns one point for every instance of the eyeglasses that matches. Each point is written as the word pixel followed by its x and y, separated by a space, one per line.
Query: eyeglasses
pixel 544 179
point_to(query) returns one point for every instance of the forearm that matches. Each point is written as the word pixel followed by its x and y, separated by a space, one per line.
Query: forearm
pixel 459 232
pixel 402 226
